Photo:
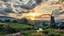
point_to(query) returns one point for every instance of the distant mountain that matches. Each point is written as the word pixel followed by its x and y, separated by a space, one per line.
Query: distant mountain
pixel 60 20
pixel 6 17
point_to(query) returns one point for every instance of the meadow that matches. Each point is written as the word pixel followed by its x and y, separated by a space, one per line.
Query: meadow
pixel 13 27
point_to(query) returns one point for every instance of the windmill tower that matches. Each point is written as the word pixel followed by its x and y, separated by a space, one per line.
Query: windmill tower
pixel 52 21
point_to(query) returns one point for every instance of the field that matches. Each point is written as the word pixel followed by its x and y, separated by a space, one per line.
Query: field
pixel 18 26
pixel 14 27
pixel 47 31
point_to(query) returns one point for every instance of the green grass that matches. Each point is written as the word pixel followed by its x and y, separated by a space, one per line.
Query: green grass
pixel 17 26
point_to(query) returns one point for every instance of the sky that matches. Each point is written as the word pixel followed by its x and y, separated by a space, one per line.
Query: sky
pixel 32 9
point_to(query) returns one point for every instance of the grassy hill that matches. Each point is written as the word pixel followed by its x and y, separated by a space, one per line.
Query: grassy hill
pixel 14 27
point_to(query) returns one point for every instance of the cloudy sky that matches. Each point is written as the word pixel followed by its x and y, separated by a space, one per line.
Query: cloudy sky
pixel 32 9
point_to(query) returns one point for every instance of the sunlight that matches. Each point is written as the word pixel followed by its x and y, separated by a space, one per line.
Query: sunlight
pixel 32 14
pixel 32 18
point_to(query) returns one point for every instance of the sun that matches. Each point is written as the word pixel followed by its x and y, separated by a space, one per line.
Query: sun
pixel 32 18
pixel 32 14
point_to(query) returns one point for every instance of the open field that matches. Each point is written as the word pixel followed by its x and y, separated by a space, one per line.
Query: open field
pixel 14 27
pixel 18 26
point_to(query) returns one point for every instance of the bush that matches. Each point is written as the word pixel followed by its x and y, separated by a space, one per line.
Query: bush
pixel 14 21
pixel 26 33
pixel 7 20
pixel 45 27
pixel 62 34
pixel 57 34
pixel 1 21
pixel 50 34
pixel 59 31
pixel 53 34
pixel 25 20
pixel 46 31
pixel 2 33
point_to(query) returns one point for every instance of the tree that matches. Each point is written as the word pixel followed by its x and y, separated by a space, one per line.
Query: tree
pixel 44 24
pixel 25 20
pixel 7 20
pixel 1 21
pixel 14 21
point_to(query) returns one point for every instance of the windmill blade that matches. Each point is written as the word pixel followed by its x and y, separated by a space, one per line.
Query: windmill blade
pixel 52 13
pixel 40 17
pixel 44 15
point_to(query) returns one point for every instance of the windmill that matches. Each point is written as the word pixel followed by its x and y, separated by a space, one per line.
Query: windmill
pixel 52 21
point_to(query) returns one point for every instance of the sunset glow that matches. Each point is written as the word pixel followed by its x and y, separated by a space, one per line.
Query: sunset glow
pixel 45 7
pixel 32 14
pixel 32 18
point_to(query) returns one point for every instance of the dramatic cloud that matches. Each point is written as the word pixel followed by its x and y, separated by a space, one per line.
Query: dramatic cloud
pixel 31 4
pixel 58 12
pixel 21 8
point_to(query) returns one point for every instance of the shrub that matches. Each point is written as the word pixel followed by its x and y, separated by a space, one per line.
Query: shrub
pixel 25 21
pixel 14 21
pixel 2 33
pixel 46 31
pixel 26 33
pixel 50 34
pixel 54 34
pixel 62 34
pixel 57 34
pixel 1 21
pixel 7 20
pixel 45 27
pixel 59 31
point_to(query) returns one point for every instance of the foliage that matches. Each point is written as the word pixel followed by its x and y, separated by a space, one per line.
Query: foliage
pixel 26 33
pixel 46 31
pixel 44 24
pixel 1 21
pixel 50 34
pixel 14 21
pixel 59 31
pixel 7 20
pixel 25 20
pixel 62 34
pixel 57 34
pixel 15 27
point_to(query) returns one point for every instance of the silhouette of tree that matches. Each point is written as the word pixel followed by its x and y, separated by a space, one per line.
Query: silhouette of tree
pixel 25 20
pixel 14 21
pixel 44 24
pixel 1 21
pixel 7 20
